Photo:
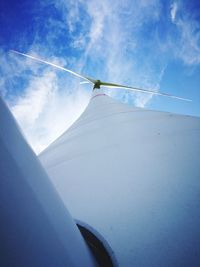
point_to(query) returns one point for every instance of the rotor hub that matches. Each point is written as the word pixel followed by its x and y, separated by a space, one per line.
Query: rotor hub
pixel 97 84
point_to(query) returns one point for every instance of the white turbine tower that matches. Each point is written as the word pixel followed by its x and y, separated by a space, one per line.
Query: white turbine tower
pixel 131 177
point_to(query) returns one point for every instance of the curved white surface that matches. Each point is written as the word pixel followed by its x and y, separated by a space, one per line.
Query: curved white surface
pixel 36 229
pixel 134 176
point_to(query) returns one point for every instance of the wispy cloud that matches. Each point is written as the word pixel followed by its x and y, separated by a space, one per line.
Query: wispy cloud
pixel 173 11
pixel 188 43
pixel 115 41
pixel 44 112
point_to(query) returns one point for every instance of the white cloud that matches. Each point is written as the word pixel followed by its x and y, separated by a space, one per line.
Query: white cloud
pixel 173 11
pixel 114 36
pixel 98 11
pixel 44 112
pixel 187 46
pixel 28 107
pixel 189 49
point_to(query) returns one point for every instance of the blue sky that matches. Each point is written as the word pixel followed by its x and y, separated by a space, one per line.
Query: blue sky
pixel 148 43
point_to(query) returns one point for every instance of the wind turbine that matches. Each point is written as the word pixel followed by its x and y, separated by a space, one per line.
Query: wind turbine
pixel 130 178
pixel 97 84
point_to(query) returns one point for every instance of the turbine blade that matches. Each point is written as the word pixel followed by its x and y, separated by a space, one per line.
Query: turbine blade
pixel 84 82
pixel 56 66
pixel 113 85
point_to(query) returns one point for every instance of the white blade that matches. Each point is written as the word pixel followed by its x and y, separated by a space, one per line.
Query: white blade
pixel 113 85
pixel 56 66
pixel 84 82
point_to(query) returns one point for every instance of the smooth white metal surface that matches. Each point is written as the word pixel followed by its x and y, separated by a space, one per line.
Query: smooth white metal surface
pixel 36 230
pixel 134 176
